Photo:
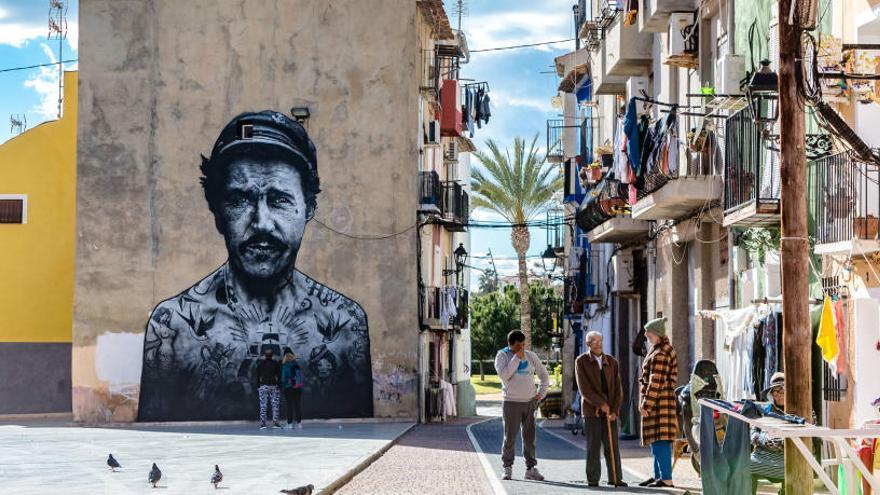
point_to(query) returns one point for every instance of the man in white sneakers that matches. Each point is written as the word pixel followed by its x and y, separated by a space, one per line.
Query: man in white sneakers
pixel 517 368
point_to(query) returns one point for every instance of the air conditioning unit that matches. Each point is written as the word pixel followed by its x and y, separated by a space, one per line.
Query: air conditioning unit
pixel 433 132
pixel 637 86
pixel 678 23
pixel 450 152
pixel 729 70
pixel 622 267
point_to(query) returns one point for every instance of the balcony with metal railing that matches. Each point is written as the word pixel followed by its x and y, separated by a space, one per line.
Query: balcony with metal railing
pixel 555 141
pixel 445 307
pixel 751 174
pixel 606 217
pixel 846 195
pixel 456 207
pixel 430 192
pixel 675 183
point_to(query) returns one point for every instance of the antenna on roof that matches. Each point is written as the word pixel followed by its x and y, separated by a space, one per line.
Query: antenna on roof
pixel 459 9
pixel 17 123
pixel 58 31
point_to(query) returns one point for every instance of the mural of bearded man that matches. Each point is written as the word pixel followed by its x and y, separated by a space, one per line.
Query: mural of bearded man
pixel 201 346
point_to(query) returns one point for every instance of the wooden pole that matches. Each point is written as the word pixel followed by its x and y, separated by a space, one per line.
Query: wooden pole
pixel 797 330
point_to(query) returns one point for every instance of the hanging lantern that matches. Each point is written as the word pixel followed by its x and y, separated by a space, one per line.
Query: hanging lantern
pixel 763 93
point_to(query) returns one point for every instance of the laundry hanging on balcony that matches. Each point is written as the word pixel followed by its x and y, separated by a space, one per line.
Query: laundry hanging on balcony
pixel 476 110
pixel 448 309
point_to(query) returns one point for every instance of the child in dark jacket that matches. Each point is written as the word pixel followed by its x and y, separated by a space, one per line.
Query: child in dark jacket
pixel 292 382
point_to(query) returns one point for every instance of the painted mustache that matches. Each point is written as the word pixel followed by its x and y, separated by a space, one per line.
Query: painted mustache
pixel 262 242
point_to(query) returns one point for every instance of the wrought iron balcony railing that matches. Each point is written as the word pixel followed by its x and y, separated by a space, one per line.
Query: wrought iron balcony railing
pixel 608 199
pixel 456 204
pixel 555 148
pixel 846 192
pixel 751 169
pixel 430 190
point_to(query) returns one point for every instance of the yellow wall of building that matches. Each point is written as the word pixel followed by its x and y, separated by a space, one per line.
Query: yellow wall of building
pixel 37 261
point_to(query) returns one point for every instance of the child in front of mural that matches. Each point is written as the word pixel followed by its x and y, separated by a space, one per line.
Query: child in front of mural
pixel 268 378
pixel 292 381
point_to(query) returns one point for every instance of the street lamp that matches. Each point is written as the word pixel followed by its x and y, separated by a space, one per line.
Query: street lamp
pixel 763 92
pixel 460 255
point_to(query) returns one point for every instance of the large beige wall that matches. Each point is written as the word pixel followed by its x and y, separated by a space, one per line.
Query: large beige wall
pixel 158 80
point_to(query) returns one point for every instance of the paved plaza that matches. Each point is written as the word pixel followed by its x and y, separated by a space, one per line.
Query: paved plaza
pixel 55 457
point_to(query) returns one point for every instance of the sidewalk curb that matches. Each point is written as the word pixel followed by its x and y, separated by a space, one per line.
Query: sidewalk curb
pixel 497 488
pixel 361 466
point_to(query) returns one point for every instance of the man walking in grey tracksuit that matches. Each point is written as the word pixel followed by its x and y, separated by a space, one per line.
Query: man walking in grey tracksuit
pixel 517 368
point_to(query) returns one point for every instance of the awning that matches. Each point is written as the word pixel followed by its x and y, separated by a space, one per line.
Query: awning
pixel 574 76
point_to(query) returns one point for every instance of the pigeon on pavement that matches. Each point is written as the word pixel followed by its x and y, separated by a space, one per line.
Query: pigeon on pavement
pixel 217 477
pixel 113 463
pixel 303 490
pixel 155 475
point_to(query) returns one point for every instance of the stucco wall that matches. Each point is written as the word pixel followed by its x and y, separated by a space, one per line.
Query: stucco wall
pixel 36 264
pixel 158 81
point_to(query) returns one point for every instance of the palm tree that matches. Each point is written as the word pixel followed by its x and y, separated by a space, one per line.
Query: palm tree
pixel 518 189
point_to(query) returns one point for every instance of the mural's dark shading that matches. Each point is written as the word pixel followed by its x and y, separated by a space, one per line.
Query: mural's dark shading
pixel 201 347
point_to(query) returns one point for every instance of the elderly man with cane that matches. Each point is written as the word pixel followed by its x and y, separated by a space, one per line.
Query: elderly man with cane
pixel 598 380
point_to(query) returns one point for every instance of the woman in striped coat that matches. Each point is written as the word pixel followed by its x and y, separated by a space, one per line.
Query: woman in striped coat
pixel 657 402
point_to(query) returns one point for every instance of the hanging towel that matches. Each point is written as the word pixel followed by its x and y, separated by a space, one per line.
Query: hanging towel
pixel 839 364
pixel 827 338
pixel 631 130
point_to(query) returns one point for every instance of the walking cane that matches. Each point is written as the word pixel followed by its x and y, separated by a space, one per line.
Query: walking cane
pixel 611 446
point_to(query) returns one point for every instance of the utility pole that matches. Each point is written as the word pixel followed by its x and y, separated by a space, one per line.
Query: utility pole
pixel 797 328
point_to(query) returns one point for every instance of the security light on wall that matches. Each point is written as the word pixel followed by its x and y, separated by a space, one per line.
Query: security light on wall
pixel 301 114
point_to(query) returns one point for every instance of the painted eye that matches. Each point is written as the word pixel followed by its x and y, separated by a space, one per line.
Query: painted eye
pixel 280 201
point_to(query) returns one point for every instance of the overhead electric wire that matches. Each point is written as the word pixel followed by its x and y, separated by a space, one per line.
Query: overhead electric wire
pixel 10 69
pixel 514 47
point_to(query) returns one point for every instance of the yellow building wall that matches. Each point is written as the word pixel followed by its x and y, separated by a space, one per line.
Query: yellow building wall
pixel 37 260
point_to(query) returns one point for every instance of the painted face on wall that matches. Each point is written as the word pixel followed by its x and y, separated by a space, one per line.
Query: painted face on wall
pixel 263 217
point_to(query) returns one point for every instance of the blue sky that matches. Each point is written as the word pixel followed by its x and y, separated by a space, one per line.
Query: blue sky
pixel 23 42
pixel 520 93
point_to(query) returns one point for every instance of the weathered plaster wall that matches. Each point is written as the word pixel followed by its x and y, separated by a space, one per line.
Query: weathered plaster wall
pixel 158 80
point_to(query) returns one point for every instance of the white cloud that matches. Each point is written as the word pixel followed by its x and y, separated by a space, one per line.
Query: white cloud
pixel 17 34
pixel 22 21
pixel 542 21
pixel 45 83
pixel 484 215
pixel 502 98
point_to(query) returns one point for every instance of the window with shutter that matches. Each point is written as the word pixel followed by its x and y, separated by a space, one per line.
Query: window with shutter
pixel 13 209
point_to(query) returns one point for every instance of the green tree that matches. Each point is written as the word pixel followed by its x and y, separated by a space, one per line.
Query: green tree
pixel 492 316
pixel 495 314
pixel 518 188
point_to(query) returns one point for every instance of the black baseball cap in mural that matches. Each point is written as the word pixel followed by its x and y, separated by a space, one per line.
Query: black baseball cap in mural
pixel 269 135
